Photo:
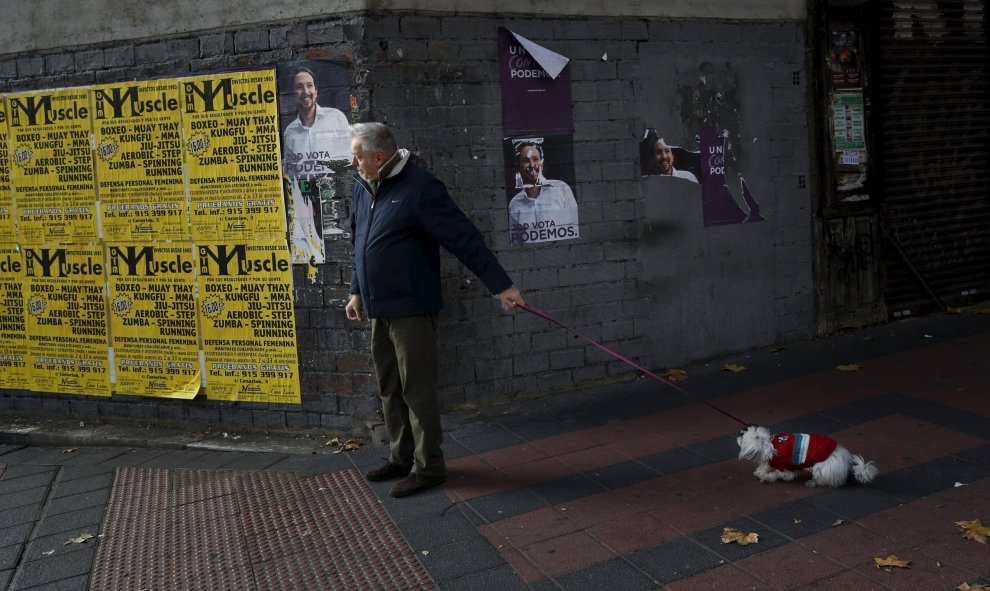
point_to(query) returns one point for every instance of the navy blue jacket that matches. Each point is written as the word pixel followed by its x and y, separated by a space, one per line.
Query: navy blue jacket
pixel 396 237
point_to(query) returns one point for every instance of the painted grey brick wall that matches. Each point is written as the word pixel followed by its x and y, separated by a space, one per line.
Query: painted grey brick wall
pixel 646 277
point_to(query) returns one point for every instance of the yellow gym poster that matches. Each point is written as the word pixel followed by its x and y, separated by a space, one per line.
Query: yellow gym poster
pixel 232 156
pixel 8 234
pixel 14 372
pixel 247 322
pixel 138 137
pixel 52 166
pixel 153 319
pixel 67 319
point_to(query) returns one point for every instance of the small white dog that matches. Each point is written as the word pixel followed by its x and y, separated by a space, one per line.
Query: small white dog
pixel 782 456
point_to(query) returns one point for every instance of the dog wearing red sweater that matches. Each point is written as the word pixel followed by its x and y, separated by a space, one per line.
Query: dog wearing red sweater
pixel 783 456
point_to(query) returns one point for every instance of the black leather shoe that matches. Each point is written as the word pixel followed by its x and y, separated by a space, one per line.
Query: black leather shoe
pixel 388 471
pixel 415 483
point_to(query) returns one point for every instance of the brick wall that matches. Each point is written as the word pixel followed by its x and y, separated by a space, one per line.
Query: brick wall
pixel 646 276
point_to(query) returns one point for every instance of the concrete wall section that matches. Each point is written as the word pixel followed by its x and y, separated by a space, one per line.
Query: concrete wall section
pixel 51 24
pixel 647 277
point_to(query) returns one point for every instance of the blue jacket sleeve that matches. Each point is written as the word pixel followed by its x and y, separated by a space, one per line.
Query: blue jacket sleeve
pixel 446 223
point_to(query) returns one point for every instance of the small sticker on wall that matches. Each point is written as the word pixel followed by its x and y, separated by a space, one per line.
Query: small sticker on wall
pixel 850 157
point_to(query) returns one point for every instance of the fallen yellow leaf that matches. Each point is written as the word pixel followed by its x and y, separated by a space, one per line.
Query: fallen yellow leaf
pixel 81 538
pixel 68 450
pixel 676 375
pixel 951 310
pixel 981 310
pixel 849 367
pixel 891 561
pixel 974 530
pixel 731 534
pixel 976 587
pixel 734 367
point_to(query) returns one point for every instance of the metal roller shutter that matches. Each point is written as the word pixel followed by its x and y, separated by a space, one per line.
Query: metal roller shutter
pixel 932 124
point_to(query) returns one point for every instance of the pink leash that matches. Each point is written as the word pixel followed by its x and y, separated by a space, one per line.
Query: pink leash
pixel 545 316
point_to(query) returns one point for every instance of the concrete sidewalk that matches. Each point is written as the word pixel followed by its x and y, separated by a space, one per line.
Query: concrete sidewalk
pixel 628 487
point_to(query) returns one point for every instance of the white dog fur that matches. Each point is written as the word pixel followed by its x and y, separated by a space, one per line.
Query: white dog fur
pixel 755 443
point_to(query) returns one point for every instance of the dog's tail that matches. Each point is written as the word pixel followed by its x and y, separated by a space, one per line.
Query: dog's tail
pixel 863 471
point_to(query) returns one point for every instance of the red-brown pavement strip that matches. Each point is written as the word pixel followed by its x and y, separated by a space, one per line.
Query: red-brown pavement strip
pixel 505 469
pixel 724 578
pixel 688 501
pixel 181 529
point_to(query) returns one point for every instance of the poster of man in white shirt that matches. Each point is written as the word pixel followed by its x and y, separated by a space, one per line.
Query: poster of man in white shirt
pixel 540 209
pixel 316 147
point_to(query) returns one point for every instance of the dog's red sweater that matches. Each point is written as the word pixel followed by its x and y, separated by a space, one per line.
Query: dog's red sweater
pixel 797 451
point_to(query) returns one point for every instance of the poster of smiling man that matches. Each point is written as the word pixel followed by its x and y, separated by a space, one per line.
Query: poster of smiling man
pixel 316 148
pixel 538 148
pixel 540 209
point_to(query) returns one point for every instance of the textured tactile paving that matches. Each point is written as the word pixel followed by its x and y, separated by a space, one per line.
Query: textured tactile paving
pixel 220 530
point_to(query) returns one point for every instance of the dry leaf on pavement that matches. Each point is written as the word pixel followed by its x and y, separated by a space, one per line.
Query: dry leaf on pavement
pixel 976 587
pixel 349 445
pixel 68 450
pixel 891 561
pixel 733 367
pixel 80 539
pixel 849 367
pixel 676 375
pixel 731 534
pixel 974 530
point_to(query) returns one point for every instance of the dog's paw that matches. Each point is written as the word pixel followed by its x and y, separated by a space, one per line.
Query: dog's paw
pixel 788 476
pixel 811 483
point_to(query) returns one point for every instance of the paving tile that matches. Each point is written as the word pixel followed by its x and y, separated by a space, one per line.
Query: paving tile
pixel 568 488
pixel 907 525
pixel 633 532
pixel 621 475
pixel 513 455
pixel 612 574
pixel 92 498
pixel 567 553
pixel 711 538
pixel 52 569
pixel 675 560
pixel 520 563
pixel 796 520
pixel 16 534
pixel 501 578
pixel 506 504
pixel 9 557
pixel 717 450
pixel 5 577
pixel 845 581
pixel 43 547
pixel 487 441
pixel 13 484
pixel 65 487
pixel 19 515
pixel 13 472
pixel 977 455
pixel 451 561
pixel 790 567
pixel 674 460
pixel 726 577
pixel 80 583
pixel 850 545
pixel 20 498
pixel 852 502
pixel 254 460
pixel 923 573
pixel 532 527
pixel 66 522
pixel 591 458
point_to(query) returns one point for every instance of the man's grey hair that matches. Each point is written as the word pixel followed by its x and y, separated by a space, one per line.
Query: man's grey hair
pixel 374 137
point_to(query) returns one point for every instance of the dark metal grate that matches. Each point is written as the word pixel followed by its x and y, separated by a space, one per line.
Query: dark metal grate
pixel 219 530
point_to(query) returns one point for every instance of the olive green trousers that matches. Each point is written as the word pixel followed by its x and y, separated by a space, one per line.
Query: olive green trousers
pixel 404 351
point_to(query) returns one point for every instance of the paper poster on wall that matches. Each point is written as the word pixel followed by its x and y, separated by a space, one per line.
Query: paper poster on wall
pixel 658 156
pixel 541 209
pixel 247 322
pixel 139 164
pixel 153 319
pixel 719 205
pixel 230 124
pixel 15 373
pixel 844 59
pixel 538 147
pixel 64 293
pixel 849 120
pixel 8 232
pixel 316 149
pixel 52 166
